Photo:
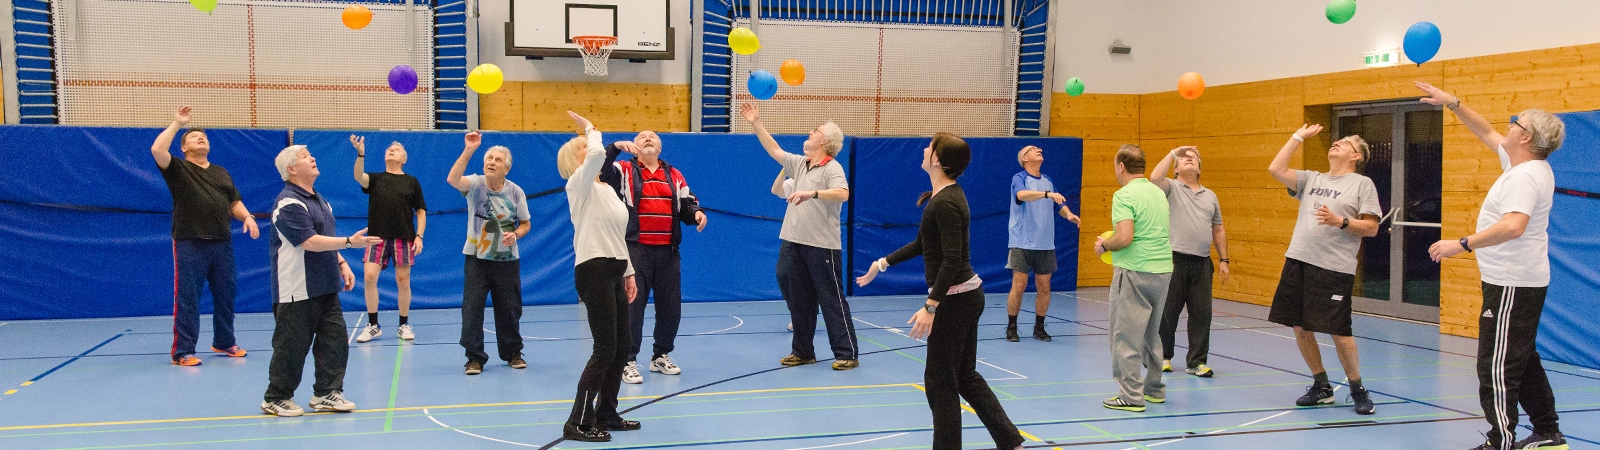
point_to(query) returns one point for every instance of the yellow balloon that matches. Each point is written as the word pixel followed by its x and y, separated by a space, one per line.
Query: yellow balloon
pixel 743 41
pixel 1106 257
pixel 485 79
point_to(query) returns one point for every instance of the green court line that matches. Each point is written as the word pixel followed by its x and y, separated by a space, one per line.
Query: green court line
pixel 898 352
pixel 394 388
pixel 1007 394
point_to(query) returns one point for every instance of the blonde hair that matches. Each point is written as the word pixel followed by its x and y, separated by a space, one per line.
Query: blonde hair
pixel 565 162
pixel 287 157
pixel 832 138
pixel 1547 130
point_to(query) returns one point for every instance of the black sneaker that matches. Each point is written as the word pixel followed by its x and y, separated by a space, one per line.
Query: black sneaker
pixel 1316 395
pixel 474 367
pixel 1552 441
pixel 1485 446
pixel 1038 333
pixel 1011 334
pixel 1363 401
pixel 623 425
pixel 585 434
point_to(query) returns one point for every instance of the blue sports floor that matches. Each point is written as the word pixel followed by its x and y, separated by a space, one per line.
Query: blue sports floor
pixel 107 384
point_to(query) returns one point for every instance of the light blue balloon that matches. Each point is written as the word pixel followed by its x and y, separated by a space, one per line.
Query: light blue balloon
pixel 1422 42
pixel 762 85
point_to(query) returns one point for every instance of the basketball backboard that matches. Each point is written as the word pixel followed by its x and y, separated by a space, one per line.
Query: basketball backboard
pixel 542 28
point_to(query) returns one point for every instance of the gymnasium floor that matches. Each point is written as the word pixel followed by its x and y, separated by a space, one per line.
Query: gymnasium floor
pixel 106 384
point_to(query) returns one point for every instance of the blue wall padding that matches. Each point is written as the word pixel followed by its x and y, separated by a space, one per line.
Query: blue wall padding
pixel 889 178
pixel 85 217
pixel 1568 328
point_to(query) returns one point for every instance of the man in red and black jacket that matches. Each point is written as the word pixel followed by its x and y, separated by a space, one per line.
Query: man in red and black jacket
pixel 658 200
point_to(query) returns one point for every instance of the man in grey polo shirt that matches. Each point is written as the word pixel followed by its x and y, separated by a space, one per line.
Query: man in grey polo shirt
pixel 1196 224
pixel 809 260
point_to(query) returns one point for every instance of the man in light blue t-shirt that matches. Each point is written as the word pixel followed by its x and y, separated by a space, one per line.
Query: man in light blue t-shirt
pixel 1033 239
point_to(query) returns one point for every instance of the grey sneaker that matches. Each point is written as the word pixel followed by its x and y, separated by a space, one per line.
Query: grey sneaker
pixel 282 408
pixel 630 373
pixel 665 365
pixel 332 401
pixel 371 331
pixel 405 332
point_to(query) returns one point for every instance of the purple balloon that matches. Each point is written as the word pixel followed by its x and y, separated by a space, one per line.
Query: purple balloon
pixel 403 79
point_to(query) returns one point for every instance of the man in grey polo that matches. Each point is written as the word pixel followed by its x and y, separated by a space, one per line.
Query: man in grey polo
pixel 1196 225
pixel 809 260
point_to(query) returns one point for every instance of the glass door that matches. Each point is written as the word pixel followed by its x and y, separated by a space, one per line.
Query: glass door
pixel 1395 277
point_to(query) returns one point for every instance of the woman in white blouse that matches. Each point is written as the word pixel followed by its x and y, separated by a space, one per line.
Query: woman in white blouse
pixel 604 280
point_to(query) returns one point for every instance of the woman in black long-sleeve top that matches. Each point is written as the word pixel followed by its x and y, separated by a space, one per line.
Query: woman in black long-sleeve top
pixel 955 302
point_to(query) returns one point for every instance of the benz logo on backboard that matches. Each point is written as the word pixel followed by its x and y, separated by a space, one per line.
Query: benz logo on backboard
pixel 649 44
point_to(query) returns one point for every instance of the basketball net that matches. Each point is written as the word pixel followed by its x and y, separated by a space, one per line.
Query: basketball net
pixel 596 52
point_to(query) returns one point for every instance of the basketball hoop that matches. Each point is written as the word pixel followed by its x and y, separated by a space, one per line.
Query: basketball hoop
pixel 596 52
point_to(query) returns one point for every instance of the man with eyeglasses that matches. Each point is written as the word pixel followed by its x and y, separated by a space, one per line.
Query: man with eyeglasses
pixel 1337 210
pixel 1196 225
pixel 1513 249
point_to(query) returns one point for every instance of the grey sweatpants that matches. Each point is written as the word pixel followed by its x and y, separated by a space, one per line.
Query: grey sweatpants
pixel 1136 299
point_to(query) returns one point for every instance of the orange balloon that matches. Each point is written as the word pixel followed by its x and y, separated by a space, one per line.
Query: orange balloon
pixel 1191 85
pixel 356 17
pixel 792 72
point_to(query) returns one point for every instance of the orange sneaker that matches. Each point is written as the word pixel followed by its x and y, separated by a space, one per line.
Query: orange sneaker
pixel 187 360
pixel 233 351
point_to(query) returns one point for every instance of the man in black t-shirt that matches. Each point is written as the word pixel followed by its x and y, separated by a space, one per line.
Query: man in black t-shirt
pixel 394 197
pixel 203 199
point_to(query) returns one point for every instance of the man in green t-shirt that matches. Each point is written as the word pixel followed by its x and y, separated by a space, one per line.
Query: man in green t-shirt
pixel 1142 253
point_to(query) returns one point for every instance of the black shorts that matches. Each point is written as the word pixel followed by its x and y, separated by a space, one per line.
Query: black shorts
pixel 1313 298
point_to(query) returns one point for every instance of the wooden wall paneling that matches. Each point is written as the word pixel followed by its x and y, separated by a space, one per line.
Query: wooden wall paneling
pixel 1367 85
pixel 1091 270
pixel 1095 116
pixel 502 110
pixel 1460 297
pixel 611 106
pixel 1260 107
pixel 1165 115
pixel 1472 166
pixel 1560 79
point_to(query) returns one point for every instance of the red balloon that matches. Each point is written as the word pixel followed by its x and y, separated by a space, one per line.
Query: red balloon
pixel 1191 85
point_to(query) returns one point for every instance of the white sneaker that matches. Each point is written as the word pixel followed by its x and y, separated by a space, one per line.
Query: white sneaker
pixel 371 331
pixel 282 408
pixel 791 326
pixel 665 365
pixel 405 332
pixel 334 401
pixel 630 373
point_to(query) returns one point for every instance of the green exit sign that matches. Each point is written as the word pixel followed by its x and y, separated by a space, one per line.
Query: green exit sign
pixel 1382 58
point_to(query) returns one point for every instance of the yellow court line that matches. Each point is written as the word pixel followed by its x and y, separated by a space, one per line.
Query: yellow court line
pixel 969 409
pixel 25 383
pixel 415 408
pixel 13 391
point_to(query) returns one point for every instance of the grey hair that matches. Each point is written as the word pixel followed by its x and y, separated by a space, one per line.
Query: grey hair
pixel 832 138
pixel 287 157
pixel 1547 130
pixel 502 150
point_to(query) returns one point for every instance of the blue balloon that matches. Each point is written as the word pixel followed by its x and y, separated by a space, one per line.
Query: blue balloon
pixel 403 79
pixel 762 85
pixel 1422 42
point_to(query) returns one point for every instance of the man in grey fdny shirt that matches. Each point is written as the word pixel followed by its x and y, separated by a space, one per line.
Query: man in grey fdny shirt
pixel 1337 210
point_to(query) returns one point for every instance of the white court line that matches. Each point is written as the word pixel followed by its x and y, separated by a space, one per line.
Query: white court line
pixel 479 436
pixel 741 323
pixel 1246 424
pixel 353 330
pixel 1276 334
pixel 1580 368
pixel 903 333
pixel 852 443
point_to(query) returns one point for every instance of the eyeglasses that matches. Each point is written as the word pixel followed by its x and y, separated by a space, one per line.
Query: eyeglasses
pixel 1518 125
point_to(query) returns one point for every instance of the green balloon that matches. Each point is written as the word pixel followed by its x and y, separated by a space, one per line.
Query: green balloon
pixel 204 5
pixel 1074 87
pixel 1340 11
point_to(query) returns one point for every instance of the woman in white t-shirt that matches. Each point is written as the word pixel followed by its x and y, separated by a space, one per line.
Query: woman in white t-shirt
pixel 1514 261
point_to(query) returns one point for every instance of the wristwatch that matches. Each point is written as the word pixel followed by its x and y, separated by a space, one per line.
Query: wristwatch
pixel 930 308
pixel 1346 223
pixel 1464 245
pixel 346 242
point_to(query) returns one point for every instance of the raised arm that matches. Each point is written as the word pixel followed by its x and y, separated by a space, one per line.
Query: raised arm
pixel 360 143
pixel 1158 175
pixel 473 140
pixel 1280 164
pixel 1479 126
pixel 593 161
pixel 753 115
pixel 162 148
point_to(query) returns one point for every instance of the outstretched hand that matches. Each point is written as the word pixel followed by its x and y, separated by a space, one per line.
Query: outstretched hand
pixel 1435 96
pixel 182 116
pixel 1307 131
pixel 360 143
pixel 583 124
pixel 361 240
pixel 473 139
pixel 750 112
